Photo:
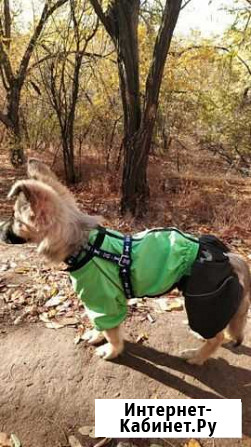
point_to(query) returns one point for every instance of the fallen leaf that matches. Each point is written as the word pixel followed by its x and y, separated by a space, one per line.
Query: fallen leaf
pixel 87 431
pixel 141 302
pixel 15 442
pixel 44 317
pixel 55 300
pixel 51 313
pixel 150 318
pixel 192 443
pixel 175 304
pixel 53 325
pixel 67 321
pixel 141 338
pixel 162 303
pixel 104 441
pixel 63 307
pixel 22 270
pixel 74 442
pixel 18 320
pixel 4 267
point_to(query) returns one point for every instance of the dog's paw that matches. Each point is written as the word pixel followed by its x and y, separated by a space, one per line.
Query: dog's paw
pixel 192 357
pixel 108 352
pixel 196 361
pixel 188 353
pixel 93 336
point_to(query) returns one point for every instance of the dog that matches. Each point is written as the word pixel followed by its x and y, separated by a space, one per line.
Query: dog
pixel 46 213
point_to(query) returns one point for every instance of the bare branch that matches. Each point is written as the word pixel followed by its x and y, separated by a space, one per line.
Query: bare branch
pixel 185 4
pixel 63 54
pixel 103 17
pixel 217 47
pixel 46 13
pixel 162 44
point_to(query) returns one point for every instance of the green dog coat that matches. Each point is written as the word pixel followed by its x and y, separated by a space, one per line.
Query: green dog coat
pixel 159 259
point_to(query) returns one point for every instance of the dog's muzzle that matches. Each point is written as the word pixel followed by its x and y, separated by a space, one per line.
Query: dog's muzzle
pixel 7 234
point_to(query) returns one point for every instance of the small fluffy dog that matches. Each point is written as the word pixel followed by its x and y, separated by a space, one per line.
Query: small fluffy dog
pixel 106 267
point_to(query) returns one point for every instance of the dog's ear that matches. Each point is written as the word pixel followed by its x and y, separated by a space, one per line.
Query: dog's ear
pixel 19 187
pixel 39 170
pixel 41 198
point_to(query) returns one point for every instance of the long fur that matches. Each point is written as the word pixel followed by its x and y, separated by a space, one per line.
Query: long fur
pixel 59 227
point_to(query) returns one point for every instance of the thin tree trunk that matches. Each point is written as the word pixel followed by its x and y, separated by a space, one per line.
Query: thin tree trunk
pixel 16 148
pixel 135 188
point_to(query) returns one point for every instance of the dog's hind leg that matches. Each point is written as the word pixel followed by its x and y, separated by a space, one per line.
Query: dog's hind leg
pixel 237 324
pixel 200 355
pixel 115 344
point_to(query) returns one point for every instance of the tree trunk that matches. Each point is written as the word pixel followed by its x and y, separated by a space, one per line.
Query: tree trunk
pixel 16 147
pixel 68 157
pixel 121 22
pixel 135 188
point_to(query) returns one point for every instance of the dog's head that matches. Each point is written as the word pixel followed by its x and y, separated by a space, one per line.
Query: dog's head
pixel 45 212
pixel 36 208
pixel 33 203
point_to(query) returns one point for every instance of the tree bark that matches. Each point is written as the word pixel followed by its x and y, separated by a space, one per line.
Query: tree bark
pixel 121 22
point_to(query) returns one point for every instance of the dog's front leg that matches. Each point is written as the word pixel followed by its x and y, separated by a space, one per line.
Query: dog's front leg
pixel 93 336
pixel 200 355
pixel 115 344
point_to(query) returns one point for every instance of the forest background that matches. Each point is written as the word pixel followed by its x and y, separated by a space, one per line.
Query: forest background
pixel 69 86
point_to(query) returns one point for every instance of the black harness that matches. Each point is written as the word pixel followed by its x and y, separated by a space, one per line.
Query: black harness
pixel 124 261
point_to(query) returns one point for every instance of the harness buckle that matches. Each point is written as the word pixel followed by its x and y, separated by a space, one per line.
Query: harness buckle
pixel 124 261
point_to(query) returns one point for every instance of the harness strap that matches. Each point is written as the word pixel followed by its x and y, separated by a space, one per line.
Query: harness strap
pixel 125 267
pixel 124 262
pixel 73 261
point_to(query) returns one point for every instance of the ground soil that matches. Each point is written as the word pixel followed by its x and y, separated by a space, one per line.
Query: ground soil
pixel 48 383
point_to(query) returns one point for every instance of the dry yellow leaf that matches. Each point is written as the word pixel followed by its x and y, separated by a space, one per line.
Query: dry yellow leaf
pixel 74 442
pixel 141 338
pixel 192 443
pixel 87 431
pixel 175 304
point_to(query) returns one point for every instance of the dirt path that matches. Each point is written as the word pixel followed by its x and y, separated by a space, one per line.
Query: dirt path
pixel 48 384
